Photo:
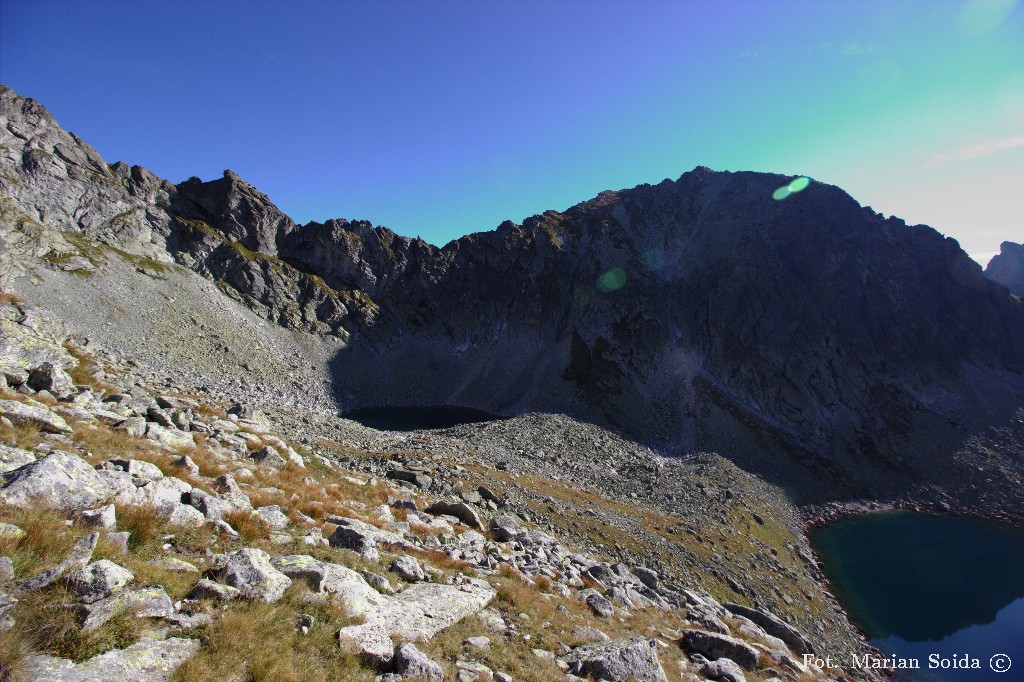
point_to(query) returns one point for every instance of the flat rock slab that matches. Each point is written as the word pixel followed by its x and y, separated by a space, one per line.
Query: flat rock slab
pixel 714 646
pixel 145 602
pixel 14 458
pixel 622 660
pixel 22 413
pixel 424 609
pixel 145 661
pixel 774 626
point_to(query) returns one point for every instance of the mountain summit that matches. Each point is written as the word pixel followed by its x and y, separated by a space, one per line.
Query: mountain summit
pixel 809 339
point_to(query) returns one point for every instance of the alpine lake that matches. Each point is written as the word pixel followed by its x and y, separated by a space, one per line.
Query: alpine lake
pixel 418 417
pixel 945 593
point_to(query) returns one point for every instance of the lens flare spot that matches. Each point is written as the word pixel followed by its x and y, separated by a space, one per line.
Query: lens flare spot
pixel 613 280
pixel 795 185
pixel 981 16
pixel 799 184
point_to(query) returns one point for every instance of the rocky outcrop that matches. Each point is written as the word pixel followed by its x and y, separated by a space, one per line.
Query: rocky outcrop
pixel 1007 267
pixel 150 660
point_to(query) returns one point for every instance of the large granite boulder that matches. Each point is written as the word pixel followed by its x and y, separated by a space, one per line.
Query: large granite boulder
pixel 622 660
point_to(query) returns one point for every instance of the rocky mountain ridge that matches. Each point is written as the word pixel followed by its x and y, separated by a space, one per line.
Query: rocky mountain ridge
pixel 829 349
pixel 1007 267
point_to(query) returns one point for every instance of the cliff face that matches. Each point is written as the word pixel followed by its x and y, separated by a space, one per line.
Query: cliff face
pixel 1007 267
pixel 809 339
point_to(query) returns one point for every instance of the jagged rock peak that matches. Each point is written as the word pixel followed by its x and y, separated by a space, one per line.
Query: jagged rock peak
pixel 1007 267
pixel 243 213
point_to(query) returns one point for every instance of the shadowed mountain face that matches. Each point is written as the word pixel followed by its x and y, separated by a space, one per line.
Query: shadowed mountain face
pixel 1007 267
pixel 810 339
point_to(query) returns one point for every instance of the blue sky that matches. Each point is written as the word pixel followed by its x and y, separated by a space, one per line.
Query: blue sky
pixel 438 119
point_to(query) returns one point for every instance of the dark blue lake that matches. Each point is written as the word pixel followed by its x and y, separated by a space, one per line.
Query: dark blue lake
pixel 921 585
pixel 417 418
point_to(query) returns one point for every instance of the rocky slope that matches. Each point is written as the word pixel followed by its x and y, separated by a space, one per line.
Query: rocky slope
pixel 148 534
pixel 1007 267
pixel 831 350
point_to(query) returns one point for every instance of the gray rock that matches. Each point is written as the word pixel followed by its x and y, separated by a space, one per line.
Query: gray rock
pixel 81 553
pixel 6 568
pixel 268 456
pixel 185 462
pixel 98 580
pixel 774 626
pixel 21 413
pixel 346 587
pixel 460 510
pixel 174 564
pixel 601 607
pixel 59 479
pixel 49 377
pixel 370 641
pixel 356 539
pixel 143 602
pixel 208 589
pixel 417 478
pixel 623 660
pixel 472 671
pixel 171 439
pixel 145 661
pixel 274 517
pixel 10 531
pixel 105 517
pixel 133 426
pixel 14 458
pixel 377 581
pixel 723 670
pixel 647 576
pixel 251 572
pixel 586 634
pixel 424 609
pixel 480 642
pixel 413 664
pixel 713 645
pixel 119 540
pixel 408 569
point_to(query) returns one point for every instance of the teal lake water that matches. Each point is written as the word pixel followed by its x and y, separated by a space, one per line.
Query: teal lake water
pixel 416 418
pixel 922 585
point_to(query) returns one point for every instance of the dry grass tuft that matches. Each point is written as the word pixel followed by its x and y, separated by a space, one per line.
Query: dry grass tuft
pixel 47 539
pixel 249 525
pixel 257 641
pixel 25 436
pixel 144 523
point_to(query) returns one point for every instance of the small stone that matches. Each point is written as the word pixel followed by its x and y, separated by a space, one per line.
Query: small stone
pixel 371 641
pixel 250 571
pixel 413 664
pixel 481 642
pixel 98 580
pixel 274 517
pixel 208 589
pixel 408 569
pixel 105 517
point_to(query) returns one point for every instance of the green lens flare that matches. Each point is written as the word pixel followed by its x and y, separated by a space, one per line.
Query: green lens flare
pixel 611 281
pixel 799 184
pixel 795 185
